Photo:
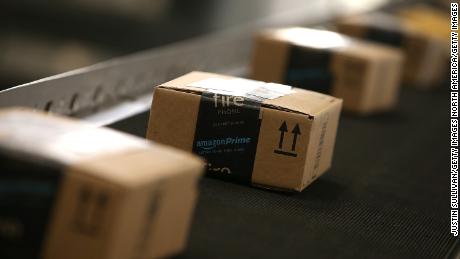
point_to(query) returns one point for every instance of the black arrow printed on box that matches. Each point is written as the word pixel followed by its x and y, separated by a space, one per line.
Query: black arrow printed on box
pixel 295 131
pixel 283 129
pixel 90 211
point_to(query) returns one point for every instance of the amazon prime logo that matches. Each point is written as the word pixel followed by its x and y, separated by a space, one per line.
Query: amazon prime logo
pixel 211 144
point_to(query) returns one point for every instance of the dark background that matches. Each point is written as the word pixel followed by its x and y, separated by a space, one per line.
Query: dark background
pixel 40 38
pixel 386 196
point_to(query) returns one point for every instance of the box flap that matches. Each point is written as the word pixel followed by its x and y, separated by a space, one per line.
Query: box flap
pixel 139 167
pixel 59 138
pixel 310 38
pixel 376 20
pixel 274 96
pixel 313 38
pixel 374 51
pixel 100 152
pixel 379 20
pixel 428 21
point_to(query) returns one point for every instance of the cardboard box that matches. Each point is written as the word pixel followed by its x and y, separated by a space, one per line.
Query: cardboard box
pixel 425 56
pixel 365 75
pixel 257 133
pixel 70 190
pixel 430 21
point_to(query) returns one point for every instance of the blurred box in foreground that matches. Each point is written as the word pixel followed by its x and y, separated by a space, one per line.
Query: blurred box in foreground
pixel 70 190
pixel 365 75
pixel 425 53
pixel 264 134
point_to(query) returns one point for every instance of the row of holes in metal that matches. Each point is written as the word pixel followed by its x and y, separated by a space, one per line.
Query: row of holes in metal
pixel 138 80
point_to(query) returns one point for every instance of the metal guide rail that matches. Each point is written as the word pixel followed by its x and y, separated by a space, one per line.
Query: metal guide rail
pixel 125 84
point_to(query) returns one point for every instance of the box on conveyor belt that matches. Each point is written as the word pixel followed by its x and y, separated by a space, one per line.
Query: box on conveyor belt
pixel 431 21
pixel 71 190
pixel 263 134
pixel 425 54
pixel 365 75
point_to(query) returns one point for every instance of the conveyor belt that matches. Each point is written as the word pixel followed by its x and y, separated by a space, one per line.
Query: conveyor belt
pixel 386 196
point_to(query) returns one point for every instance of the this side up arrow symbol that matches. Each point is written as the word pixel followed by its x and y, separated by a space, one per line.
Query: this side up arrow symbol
pixel 295 131
pixel 283 128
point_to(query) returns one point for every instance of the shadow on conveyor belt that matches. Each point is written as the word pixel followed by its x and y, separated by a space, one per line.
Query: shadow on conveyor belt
pixel 386 195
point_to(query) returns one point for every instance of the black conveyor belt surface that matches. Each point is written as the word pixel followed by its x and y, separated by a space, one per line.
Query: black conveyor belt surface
pixel 386 196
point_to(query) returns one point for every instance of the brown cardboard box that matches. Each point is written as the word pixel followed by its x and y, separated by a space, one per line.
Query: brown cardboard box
pixel 70 190
pixel 263 134
pixel 425 56
pixel 365 75
pixel 430 21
